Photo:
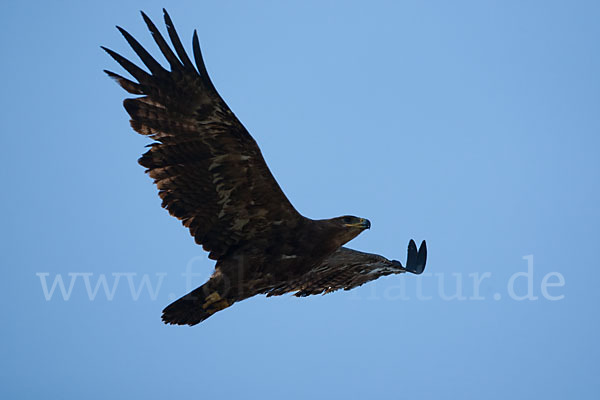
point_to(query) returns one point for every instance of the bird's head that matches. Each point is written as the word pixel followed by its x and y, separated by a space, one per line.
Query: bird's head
pixel 350 226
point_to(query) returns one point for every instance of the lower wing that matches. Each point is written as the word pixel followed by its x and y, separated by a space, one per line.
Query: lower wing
pixel 347 269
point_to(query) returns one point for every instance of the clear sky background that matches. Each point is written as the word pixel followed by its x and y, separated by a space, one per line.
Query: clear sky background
pixel 472 124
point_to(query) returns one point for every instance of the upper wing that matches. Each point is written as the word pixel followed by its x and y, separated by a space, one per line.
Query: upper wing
pixel 209 170
pixel 347 269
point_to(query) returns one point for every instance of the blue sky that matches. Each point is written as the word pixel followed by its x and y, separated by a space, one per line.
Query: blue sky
pixel 472 124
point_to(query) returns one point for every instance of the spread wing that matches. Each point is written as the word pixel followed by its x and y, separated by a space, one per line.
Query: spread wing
pixel 347 269
pixel 208 169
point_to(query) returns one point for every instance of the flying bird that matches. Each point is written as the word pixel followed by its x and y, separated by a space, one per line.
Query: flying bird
pixel 210 174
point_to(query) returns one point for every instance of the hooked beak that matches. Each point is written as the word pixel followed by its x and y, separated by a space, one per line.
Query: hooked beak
pixel 362 224
pixel 366 223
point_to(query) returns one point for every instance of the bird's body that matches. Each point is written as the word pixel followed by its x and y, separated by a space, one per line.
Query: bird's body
pixel 265 266
pixel 211 175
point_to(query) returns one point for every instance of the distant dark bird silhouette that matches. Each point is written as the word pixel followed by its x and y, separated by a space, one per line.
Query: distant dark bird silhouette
pixel 211 175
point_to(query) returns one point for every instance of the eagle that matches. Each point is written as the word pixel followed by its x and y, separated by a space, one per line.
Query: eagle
pixel 210 174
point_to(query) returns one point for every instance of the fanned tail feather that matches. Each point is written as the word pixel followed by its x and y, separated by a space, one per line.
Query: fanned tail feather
pixel 196 306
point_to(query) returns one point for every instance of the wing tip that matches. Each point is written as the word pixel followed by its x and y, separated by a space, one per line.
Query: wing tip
pixel 167 17
pixel 416 259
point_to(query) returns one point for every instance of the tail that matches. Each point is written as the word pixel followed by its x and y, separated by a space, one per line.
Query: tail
pixel 197 305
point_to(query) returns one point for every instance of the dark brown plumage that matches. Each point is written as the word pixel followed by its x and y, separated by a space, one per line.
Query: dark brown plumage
pixel 211 175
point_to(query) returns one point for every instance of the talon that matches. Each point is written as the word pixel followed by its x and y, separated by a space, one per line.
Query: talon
pixel 218 306
pixel 211 298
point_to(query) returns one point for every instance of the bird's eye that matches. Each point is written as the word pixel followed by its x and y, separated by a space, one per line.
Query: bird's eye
pixel 347 220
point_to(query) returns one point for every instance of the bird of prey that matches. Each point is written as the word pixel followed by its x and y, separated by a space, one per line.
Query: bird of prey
pixel 210 174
